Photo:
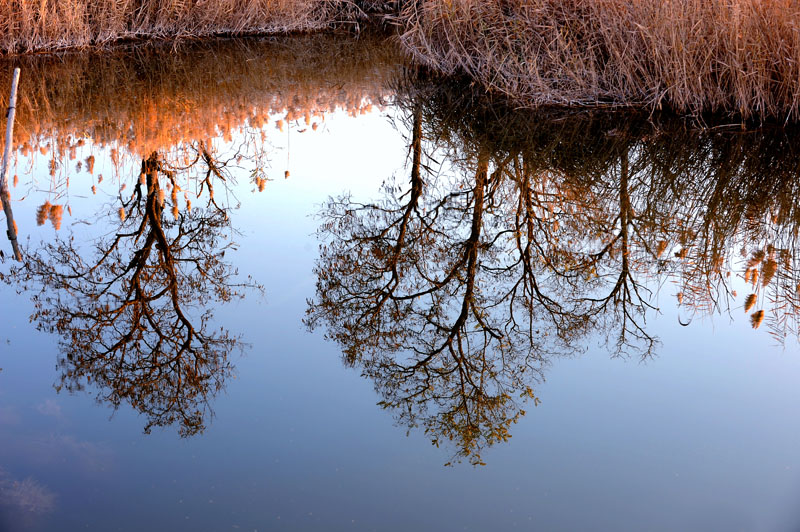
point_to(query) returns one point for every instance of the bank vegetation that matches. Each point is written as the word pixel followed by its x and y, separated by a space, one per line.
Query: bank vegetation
pixel 732 57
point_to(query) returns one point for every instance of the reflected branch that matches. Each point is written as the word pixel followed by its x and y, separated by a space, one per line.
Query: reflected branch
pixel 540 234
pixel 136 319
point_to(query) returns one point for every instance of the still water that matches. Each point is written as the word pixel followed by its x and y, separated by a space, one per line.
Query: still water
pixel 295 285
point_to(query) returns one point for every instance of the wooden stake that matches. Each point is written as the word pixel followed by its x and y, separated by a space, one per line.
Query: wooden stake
pixel 5 197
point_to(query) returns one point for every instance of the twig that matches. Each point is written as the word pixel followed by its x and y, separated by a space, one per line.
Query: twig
pixel 4 194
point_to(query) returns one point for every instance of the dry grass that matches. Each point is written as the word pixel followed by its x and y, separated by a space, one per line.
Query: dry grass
pixel 27 25
pixel 727 56
pixel 733 57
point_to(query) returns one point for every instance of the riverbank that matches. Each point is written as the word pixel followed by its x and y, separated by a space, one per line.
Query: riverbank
pixel 47 25
pixel 731 57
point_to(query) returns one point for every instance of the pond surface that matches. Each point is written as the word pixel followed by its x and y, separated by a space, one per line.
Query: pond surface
pixel 261 278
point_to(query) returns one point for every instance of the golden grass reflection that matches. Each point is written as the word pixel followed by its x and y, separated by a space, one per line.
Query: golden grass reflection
pixel 134 308
pixel 155 97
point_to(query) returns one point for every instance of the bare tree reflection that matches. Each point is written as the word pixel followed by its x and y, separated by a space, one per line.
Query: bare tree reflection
pixel 419 298
pixel 136 314
pixel 540 234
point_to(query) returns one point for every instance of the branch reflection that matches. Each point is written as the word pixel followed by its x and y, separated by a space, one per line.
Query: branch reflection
pixel 521 237
pixel 135 314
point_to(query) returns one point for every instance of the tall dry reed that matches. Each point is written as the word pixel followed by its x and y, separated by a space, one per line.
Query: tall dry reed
pixel 737 57
pixel 727 56
pixel 27 25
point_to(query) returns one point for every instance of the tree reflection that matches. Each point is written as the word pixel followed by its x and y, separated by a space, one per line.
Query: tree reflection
pixel 438 369
pixel 538 234
pixel 135 314
pixel 421 298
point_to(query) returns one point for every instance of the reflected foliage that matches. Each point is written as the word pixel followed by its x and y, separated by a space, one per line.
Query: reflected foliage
pixel 135 308
pixel 518 237
pixel 135 312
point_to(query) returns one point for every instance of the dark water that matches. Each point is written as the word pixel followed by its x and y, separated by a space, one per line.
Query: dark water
pixel 592 316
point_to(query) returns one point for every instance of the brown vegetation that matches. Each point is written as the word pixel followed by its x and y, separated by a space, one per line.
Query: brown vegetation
pixel 135 308
pixel 26 25
pixel 545 232
pixel 735 57
pixel 729 56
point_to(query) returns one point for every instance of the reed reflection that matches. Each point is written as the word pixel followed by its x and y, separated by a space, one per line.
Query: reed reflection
pixel 154 97
pixel 542 234
pixel 135 312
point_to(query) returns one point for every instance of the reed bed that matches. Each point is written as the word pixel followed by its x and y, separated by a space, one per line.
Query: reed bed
pixel 731 57
pixel 27 25
pixel 735 57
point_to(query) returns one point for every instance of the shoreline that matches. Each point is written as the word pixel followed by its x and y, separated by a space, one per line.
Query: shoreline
pixel 734 59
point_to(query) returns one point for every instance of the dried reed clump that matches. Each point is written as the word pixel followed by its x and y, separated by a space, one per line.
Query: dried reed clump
pixel 756 258
pixel 749 302
pixel 55 214
pixel 769 269
pixel 757 318
pixel 728 56
pixel 48 211
pixel 41 213
pixel 27 25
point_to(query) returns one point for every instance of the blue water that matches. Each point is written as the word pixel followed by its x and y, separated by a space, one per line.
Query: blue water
pixel 702 436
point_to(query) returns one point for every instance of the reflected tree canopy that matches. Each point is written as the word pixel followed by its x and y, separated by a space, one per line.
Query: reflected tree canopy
pixel 520 237
pixel 135 312
pixel 134 308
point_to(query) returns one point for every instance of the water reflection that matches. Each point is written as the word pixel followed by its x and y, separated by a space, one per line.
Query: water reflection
pixel 515 238
pixel 154 97
pixel 520 237
pixel 23 502
pixel 135 313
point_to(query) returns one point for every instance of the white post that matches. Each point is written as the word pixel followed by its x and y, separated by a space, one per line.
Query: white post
pixel 4 193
